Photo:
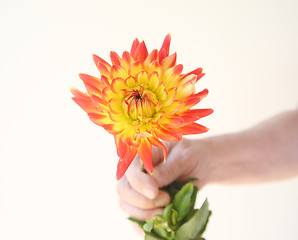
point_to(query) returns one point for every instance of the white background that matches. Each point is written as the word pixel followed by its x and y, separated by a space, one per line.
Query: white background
pixel 57 169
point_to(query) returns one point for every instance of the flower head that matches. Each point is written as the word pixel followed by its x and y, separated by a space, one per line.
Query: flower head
pixel 141 99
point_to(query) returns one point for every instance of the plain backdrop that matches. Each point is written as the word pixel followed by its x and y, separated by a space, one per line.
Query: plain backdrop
pixel 57 168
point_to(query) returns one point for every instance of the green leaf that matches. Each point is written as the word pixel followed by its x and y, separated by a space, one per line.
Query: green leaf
pixel 140 223
pixel 174 217
pixel 167 212
pixel 196 225
pixel 162 232
pixel 153 236
pixel 194 197
pixel 148 226
pixel 183 200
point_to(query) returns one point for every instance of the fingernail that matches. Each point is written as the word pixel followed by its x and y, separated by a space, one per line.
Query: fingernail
pixel 161 202
pixel 149 193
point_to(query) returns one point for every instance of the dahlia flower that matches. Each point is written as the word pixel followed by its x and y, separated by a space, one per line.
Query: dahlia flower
pixel 141 99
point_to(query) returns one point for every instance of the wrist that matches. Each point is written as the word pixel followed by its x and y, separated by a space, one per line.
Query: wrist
pixel 226 157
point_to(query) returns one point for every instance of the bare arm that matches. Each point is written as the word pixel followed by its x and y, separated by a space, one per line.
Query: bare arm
pixel 266 152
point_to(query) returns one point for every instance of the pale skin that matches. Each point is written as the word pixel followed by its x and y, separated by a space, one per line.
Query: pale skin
pixel 266 152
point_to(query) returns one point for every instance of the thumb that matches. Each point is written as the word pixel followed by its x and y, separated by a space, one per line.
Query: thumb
pixel 171 170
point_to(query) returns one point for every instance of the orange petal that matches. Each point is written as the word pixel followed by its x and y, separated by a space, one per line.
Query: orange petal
pixel 170 98
pixel 165 48
pixel 116 60
pixel 193 100
pixel 155 67
pixel 127 60
pixel 135 68
pixel 167 134
pixel 152 57
pixel 169 61
pixel 125 162
pixel 98 102
pixel 83 100
pixel 171 122
pixel 118 71
pixel 145 154
pixel 198 72
pixel 141 52
pixel 195 114
pixel 186 87
pixel 172 76
pixel 104 82
pixel 97 60
pixel 134 46
pixel 103 70
pixel 93 81
pixel 192 128
pixel 154 141
pixel 99 118
pixel 103 67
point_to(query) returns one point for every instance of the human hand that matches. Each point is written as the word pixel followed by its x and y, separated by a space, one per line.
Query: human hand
pixel 139 192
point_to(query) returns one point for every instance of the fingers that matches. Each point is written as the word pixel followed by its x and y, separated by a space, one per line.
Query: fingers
pixel 138 213
pixel 141 182
pixel 129 195
pixel 177 165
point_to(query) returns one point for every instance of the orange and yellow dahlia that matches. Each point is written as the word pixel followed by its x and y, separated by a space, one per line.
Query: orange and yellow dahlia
pixel 141 99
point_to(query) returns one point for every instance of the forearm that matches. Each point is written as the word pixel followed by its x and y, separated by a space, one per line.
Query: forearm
pixel 266 152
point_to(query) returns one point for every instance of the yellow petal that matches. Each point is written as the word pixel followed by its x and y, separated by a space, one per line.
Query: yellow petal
pixel 153 81
pixel 135 68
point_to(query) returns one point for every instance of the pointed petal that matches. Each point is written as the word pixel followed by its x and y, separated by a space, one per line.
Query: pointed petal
pixel 192 100
pixel 154 141
pixel 165 48
pixel 141 78
pixel 83 100
pixel 169 61
pixel 116 60
pixel 134 46
pixel 141 52
pixel 118 71
pixel 172 76
pixel 198 72
pixel 116 105
pixel 192 128
pixel 145 154
pixel 135 68
pixel 127 60
pixel 117 85
pixel 124 163
pixel 152 57
pixel 153 81
pixel 155 67
pixel 186 87
pixel 99 103
pixel 102 66
pixel 167 134
pixel 97 60
pixel 130 82
pixel 93 81
pixel 99 118
pixel 173 108
pixel 171 97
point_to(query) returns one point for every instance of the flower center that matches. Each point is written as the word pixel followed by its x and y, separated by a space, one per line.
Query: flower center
pixel 140 102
